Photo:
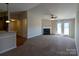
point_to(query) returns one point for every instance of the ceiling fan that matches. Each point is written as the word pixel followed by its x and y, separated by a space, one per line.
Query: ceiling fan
pixel 50 14
pixel 53 17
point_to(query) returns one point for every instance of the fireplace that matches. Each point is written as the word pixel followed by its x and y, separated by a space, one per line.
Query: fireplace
pixel 46 31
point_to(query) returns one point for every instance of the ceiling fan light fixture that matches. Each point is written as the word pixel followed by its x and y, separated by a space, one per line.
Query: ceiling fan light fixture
pixel 52 19
pixel 8 21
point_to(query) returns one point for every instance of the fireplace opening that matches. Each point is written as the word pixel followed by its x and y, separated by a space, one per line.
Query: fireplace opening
pixel 46 31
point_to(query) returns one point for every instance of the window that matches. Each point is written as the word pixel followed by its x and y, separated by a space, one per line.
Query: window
pixel 59 28
pixel 66 28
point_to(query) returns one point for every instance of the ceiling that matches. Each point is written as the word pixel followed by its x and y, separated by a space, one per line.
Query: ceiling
pixel 61 10
pixel 17 6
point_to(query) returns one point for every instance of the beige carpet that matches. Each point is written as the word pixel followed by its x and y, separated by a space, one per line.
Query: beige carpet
pixel 45 45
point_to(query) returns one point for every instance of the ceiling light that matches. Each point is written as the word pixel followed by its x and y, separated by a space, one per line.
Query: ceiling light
pixel 8 21
pixel 12 20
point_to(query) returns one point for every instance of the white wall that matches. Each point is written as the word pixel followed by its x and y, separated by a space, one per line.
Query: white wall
pixel 34 23
pixel 77 30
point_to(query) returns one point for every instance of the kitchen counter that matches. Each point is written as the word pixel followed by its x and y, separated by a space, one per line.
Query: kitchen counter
pixel 7 41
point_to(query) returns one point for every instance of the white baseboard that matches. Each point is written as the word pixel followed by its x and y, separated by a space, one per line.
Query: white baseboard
pixel 33 36
pixel 7 50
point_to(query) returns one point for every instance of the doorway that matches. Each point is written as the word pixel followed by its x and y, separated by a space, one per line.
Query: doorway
pixel 63 28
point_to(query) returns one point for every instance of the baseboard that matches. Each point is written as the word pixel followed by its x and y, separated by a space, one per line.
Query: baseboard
pixel 7 50
pixel 33 36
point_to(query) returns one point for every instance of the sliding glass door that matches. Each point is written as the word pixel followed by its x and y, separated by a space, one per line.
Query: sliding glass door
pixel 59 28
pixel 63 28
pixel 66 28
